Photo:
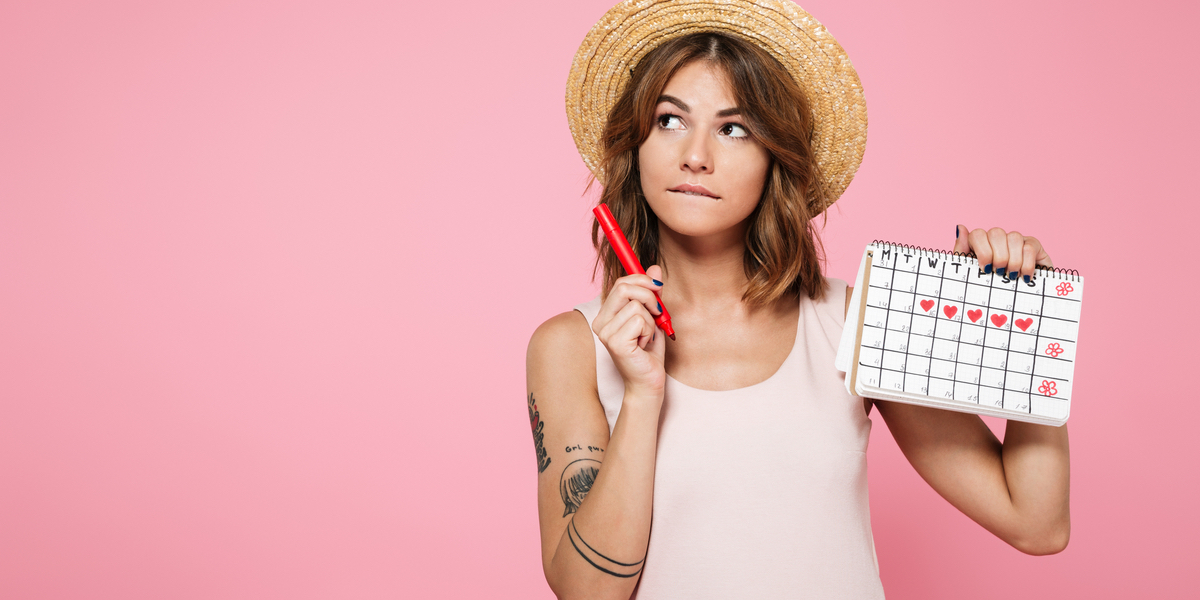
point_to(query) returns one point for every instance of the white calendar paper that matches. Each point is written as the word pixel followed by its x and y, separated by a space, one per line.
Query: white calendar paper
pixel 931 328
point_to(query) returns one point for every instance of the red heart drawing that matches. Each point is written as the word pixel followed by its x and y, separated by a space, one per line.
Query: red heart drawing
pixel 999 320
pixel 1024 323
pixel 927 304
pixel 950 311
pixel 974 314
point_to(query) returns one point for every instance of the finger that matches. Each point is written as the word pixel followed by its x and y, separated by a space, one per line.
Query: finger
pixel 999 242
pixel 1029 253
pixel 655 273
pixel 639 285
pixel 620 331
pixel 635 288
pixel 658 343
pixel 960 239
pixel 636 325
pixel 978 241
pixel 1040 255
pixel 1016 246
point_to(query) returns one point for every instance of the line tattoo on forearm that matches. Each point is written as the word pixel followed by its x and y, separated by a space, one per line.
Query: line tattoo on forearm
pixel 536 424
pixel 600 561
pixel 576 481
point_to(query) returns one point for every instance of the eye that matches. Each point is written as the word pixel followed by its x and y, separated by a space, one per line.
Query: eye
pixel 734 130
pixel 670 122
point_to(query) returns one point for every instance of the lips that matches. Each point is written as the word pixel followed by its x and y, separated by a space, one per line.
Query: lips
pixel 694 190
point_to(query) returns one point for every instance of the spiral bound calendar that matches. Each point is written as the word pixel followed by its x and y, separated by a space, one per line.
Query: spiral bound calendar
pixel 931 328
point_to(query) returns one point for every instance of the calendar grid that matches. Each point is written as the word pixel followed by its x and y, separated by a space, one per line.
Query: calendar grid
pixel 967 338
pixel 883 344
pixel 1042 311
pixel 957 336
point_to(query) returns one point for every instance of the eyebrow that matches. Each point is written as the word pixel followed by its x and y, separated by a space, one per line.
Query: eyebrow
pixel 728 112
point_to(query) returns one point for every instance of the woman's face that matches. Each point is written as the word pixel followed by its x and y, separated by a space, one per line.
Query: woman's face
pixel 702 172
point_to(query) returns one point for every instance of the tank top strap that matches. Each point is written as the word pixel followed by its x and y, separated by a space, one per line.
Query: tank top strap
pixel 609 383
pixel 830 312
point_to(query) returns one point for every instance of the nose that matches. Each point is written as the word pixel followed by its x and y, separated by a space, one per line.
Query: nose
pixel 697 155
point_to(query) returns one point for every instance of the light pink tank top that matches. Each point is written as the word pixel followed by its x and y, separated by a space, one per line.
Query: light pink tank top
pixel 760 492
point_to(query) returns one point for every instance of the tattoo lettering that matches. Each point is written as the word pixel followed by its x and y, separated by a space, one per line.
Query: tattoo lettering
pixel 536 424
pixel 580 448
pixel 576 482
pixel 600 561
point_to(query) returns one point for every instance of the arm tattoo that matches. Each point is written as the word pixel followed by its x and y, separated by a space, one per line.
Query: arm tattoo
pixel 576 482
pixel 536 424
pixel 600 561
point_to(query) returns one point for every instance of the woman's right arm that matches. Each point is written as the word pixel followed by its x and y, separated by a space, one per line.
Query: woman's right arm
pixel 595 491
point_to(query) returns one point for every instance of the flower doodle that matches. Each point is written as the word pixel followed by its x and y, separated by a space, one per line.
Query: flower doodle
pixel 1064 288
pixel 1048 388
pixel 1053 350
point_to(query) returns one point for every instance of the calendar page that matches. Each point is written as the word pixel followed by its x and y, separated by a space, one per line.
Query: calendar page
pixel 929 327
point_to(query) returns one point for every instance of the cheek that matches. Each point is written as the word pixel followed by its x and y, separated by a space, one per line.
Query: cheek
pixel 751 174
pixel 651 158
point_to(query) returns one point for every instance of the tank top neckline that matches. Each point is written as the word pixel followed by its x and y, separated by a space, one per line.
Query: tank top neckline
pixel 786 361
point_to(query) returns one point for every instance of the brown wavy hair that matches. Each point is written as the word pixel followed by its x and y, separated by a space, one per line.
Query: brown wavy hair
pixel 783 250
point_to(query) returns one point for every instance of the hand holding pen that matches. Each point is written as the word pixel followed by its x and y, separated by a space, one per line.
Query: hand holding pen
pixel 626 322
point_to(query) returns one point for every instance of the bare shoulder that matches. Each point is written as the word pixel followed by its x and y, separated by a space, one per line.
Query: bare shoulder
pixel 562 343
pixel 560 365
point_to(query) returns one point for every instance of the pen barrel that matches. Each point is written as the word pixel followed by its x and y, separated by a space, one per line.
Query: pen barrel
pixel 616 239
pixel 620 246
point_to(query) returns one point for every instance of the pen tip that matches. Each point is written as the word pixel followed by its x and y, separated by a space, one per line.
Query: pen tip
pixel 672 336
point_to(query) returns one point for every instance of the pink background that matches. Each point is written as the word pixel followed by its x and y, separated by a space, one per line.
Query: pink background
pixel 268 271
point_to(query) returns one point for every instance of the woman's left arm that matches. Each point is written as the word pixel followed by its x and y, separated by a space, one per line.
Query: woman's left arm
pixel 1018 489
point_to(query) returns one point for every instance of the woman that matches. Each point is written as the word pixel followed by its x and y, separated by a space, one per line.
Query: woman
pixel 738 440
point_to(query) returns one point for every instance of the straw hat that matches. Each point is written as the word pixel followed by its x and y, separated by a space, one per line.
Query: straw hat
pixel 633 28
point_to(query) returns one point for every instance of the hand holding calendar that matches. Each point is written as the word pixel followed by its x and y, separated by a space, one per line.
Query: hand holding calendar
pixel 1002 251
pixel 951 331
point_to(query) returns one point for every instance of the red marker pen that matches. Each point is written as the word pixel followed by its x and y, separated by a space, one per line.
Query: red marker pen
pixel 616 239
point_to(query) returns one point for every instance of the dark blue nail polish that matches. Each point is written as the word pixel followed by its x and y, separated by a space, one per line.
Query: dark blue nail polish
pixel 956 232
pixel 1027 279
pixel 660 307
pixel 657 282
pixel 1000 272
pixel 988 269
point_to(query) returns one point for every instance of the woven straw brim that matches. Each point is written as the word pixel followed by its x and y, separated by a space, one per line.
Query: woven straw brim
pixel 633 28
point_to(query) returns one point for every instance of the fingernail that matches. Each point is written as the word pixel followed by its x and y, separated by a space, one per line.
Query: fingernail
pixel 988 269
pixel 660 307
pixel 657 282
pixel 1026 279
pixel 956 232
pixel 1000 272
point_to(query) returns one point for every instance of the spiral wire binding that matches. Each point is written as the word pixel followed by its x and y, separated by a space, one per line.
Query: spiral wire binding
pixel 1048 272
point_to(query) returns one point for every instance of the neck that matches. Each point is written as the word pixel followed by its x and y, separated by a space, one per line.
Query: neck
pixel 704 274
